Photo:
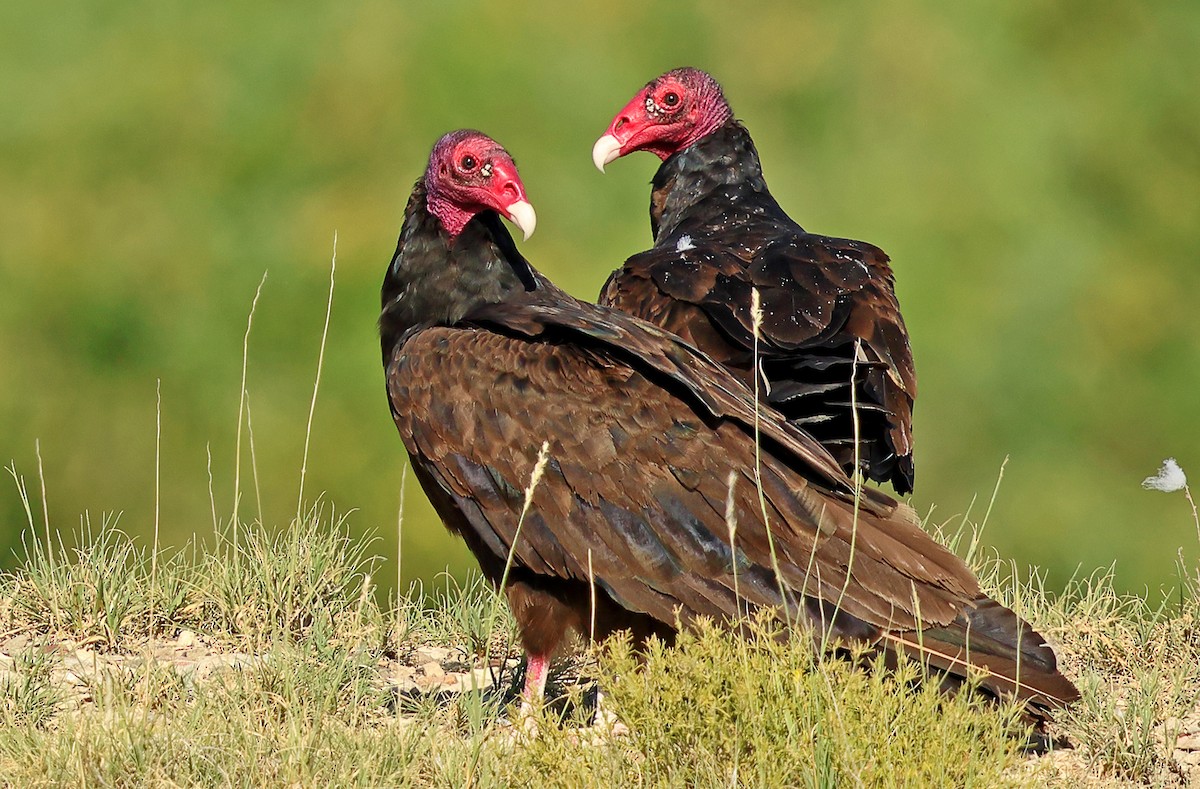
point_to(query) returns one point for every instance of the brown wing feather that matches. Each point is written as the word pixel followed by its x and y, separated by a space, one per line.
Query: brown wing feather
pixel 991 642
pixel 627 505
pixel 823 299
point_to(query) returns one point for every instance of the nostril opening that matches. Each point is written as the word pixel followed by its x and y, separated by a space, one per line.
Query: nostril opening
pixel 511 190
pixel 620 122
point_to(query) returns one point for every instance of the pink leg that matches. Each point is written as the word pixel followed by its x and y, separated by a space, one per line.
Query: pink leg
pixel 536 669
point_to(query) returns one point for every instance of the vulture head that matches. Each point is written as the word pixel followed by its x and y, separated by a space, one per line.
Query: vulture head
pixel 668 115
pixel 470 172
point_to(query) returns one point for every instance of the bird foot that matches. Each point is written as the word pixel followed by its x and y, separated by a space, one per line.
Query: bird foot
pixel 526 726
pixel 527 720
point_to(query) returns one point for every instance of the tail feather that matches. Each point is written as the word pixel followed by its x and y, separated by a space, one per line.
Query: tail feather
pixel 990 642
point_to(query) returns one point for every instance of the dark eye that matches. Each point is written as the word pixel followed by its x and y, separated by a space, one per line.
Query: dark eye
pixel 468 162
pixel 671 99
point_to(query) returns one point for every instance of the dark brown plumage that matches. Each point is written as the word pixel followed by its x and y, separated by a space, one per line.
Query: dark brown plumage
pixel 649 442
pixel 829 307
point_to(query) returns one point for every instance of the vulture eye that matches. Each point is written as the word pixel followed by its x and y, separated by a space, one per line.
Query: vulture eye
pixel 468 162
pixel 671 99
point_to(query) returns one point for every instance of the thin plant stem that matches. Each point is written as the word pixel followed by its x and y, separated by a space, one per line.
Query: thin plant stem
pixel 400 532
pixel 312 407
pixel 592 587
pixel 253 460
pixel 237 462
pixel 157 496
pixel 212 499
pixel 757 316
pixel 977 533
pixel 731 522
pixel 1187 491
pixel 37 449
pixel 23 494
pixel 539 468
pixel 856 477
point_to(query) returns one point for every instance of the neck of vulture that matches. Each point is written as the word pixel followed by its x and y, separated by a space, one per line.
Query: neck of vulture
pixel 704 178
pixel 437 277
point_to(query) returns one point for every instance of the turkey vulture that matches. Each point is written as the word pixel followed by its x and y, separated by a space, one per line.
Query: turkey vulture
pixel 649 447
pixel 830 315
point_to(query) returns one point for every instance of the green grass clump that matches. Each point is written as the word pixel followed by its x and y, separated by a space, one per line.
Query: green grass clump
pixel 1137 666
pixel 723 711
pixel 29 698
pixel 307 695
pixel 253 586
pixel 102 592
pixel 307 579
pixel 298 718
pixel 1139 669
pixel 459 613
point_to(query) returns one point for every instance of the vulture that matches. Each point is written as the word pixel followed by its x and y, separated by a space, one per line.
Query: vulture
pixel 831 343
pixel 594 463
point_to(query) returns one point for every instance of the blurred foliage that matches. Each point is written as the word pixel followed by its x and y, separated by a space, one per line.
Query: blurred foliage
pixel 1032 168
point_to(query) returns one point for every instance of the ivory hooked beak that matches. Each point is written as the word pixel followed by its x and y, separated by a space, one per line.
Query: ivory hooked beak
pixel 606 150
pixel 523 216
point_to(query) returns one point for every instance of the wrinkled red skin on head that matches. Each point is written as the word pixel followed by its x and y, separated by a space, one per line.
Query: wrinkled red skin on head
pixel 455 192
pixel 649 122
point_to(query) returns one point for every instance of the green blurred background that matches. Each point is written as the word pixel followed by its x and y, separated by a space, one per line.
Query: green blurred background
pixel 1033 169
